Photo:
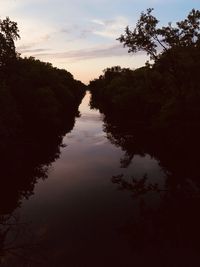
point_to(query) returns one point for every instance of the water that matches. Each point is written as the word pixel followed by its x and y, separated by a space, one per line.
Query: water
pixel 78 216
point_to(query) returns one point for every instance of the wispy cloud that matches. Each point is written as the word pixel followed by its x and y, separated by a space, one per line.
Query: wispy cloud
pixel 110 28
pixel 36 50
pixel 82 54
pixel 68 33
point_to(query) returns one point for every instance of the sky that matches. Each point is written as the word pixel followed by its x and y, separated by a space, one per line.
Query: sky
pixel 80 35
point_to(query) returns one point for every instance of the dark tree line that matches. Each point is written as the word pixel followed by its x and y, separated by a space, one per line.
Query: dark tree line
pixel 155 110
pixel 38 106
pixel 148 37
pixel 164 93
pixel 35 97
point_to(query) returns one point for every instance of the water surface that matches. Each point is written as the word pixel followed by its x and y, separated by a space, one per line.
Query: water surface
pixel 78 216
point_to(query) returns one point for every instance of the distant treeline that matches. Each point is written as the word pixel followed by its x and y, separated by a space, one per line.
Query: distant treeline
pixel 154 109
pixel 164 94
pixel 38 98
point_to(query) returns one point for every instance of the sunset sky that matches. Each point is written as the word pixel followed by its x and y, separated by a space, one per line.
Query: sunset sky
pixel 80 35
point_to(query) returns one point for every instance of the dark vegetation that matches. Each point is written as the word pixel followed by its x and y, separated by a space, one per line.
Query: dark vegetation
pixel 39 104
pixel 162 98
pixel 152 110
pixel 35 97
pixel 162 93
pixel 155 110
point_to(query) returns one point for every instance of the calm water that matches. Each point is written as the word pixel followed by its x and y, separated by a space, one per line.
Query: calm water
pixel 78 216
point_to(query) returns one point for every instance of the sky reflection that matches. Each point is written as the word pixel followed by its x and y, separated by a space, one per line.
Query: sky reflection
pixel 78 209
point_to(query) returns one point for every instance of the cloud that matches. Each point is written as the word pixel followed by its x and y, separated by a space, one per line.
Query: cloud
pixel 82 54
pixel 37 41
pixel 110 28
pixel 36 50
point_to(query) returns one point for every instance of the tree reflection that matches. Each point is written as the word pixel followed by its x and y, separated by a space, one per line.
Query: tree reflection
pixel 167 218
pixel 23 163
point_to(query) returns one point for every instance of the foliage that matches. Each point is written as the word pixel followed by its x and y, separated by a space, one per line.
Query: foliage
pixel 8 34
pixel 164 94
pixel 39 104
pixel 148 37
pixel 35 97
pixel 127 92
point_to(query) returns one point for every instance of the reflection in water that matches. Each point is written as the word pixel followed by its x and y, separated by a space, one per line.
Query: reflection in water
pixel 78 217
pixel 170 224
pixel 22 165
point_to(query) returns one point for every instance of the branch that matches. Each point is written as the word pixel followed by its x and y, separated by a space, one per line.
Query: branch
pixel 156 38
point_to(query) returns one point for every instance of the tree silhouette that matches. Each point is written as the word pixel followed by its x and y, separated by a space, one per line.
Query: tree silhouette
pixel 9 32
pixel 146 36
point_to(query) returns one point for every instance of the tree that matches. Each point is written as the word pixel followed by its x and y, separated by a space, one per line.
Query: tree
pixel 8 34
pixel 146 36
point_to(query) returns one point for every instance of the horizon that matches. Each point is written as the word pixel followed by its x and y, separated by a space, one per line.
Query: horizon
pixel 81 36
